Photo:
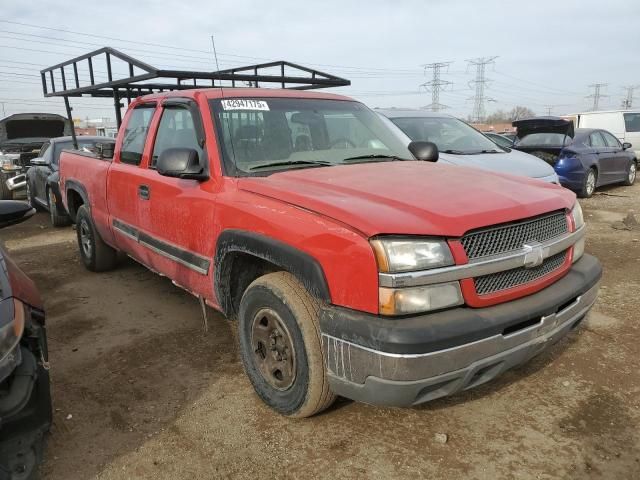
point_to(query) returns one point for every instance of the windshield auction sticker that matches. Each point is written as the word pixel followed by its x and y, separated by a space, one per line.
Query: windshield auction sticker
pixel 244 104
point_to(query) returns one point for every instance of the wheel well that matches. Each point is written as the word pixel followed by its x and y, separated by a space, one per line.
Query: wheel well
pixel 240 269
pixel 74 202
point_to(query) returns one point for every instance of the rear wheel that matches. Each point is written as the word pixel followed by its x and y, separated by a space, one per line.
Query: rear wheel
pixel 280 345
pixel 589 185
pixel 57 220
pixel 631 174
pixel 96 255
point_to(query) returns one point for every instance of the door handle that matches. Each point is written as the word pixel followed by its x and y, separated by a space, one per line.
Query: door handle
pixel 143 192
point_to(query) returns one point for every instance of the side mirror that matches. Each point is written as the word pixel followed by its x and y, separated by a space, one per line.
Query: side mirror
pixel 105 150
pixel 425 151
pixel 12 212
pixel 181 163
pixel 626 145
pixel 38 161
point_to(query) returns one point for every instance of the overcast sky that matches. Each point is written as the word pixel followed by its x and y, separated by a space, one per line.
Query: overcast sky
pixel 548 52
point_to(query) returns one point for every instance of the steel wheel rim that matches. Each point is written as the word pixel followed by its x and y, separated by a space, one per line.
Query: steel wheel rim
pixel 272 349
pixel 632 173
pixel 85 238
pixel 591 182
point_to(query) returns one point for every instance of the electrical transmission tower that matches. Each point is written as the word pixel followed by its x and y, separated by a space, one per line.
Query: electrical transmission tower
pixel 480 84
pixel 596 95
pixel 436 84
pixel 627 102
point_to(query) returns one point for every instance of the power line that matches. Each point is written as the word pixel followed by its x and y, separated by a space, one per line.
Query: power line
pixel 597 95
pixel 436 84
pixel 183 49
pixel 480 83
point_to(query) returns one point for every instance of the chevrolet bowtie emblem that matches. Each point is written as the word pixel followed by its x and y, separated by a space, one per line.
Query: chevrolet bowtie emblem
pixel 534 254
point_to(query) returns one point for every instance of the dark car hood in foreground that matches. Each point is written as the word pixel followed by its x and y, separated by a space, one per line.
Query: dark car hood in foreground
pixel 15 283
pixel 412 197
pixel 528 126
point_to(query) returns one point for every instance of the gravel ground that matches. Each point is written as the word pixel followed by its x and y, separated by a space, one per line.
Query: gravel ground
pixel 140 392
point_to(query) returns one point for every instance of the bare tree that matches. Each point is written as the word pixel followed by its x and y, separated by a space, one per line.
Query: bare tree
pixel 518 113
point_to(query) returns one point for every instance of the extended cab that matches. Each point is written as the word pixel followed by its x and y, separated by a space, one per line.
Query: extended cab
pixel 351 267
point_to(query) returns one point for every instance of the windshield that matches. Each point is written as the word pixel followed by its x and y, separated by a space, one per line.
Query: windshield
pixel 272 134
pixel 449 134
pixel 544 140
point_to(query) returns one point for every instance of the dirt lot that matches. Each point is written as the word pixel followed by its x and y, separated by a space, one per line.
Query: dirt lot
pixel 140 392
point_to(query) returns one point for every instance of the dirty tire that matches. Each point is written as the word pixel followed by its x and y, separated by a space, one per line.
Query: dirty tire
pixel 589 184
pixel 96 255
pixel 57 220
pixel 5 193
pixel 631 174
pixel 30 199
pixel 298 314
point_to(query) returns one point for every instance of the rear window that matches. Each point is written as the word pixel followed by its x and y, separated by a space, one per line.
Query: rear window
pixel 545 140
pixel 632 122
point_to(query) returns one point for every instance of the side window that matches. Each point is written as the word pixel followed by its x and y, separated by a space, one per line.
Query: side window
pixel 43 150
pixel 611 140
pixel 596 140
pixel 135 134
pixel 176 130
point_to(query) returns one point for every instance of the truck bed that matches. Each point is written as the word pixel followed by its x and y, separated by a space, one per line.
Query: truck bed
pixel 89 173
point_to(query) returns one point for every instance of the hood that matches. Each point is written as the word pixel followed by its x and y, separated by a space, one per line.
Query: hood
pixel 411 197
pixel 15 283
pixel 29 127
pixel 513 162
pixel 544 125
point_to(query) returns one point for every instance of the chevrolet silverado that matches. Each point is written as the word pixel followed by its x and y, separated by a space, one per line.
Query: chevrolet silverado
pixel 355 265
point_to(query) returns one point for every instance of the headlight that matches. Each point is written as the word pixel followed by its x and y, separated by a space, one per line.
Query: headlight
pixel 576 214
pixel 405 255
pixel 578 221
pixel 7 164
pixel 10 334
pixel 404 301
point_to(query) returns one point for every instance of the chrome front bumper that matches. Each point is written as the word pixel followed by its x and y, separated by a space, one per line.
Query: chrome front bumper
pixel 384 378
pixel 17 182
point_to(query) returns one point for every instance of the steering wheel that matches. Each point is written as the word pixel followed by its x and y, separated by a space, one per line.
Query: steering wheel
pixel 344 140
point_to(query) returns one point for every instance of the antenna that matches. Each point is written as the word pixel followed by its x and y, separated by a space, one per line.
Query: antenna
pixel 215 56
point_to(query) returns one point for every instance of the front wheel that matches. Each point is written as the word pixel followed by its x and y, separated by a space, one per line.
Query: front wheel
pixel 57 220
pixel 631 174
pixel 280 345
pixel 96 255
pixel 589 184
pixel 5 193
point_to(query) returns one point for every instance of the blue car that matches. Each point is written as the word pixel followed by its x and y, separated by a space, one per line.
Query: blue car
pixel 584 158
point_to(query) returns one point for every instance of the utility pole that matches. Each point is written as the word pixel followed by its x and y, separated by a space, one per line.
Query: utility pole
pixel 3 112
pixel 436 84
pixel 627 103
pixel 549 108
pixel 596 95
pixel 480 83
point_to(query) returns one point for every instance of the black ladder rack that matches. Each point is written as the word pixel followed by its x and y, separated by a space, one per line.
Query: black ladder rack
pixel 64 80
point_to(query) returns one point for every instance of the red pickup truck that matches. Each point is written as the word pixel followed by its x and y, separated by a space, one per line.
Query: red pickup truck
pixel 353 264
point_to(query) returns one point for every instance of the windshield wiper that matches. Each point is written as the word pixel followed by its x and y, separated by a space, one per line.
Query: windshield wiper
pixel 310 163
pixel 377 157
pixel 455 152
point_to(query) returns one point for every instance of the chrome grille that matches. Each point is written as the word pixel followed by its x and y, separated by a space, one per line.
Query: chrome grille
pixel 496 282
pixel 512 236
